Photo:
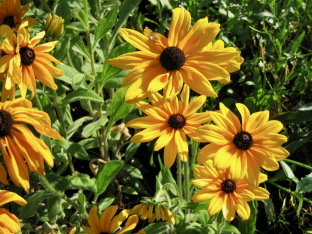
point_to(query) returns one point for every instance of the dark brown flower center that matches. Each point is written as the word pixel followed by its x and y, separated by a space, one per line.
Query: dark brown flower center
pixel 228 186
pixel 172 58
pixel 176 121
pixel 6 123
pixel 243 140
pixel 9 20
pixel 27 55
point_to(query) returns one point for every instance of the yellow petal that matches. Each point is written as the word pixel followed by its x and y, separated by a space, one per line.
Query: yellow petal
pixel 208 152
pixel 170 153
pixel 94 220
pixel 180 25
pixel 6 197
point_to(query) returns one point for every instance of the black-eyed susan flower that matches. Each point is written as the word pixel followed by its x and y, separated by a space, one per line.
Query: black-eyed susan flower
pixel 243 147
pixel 108 222
pixel 151 210
pixel 9 223
pixel 18 144
pixel 12 15
pixel 182 57
pixel 171 122
pixel 23 61
pixel 224 192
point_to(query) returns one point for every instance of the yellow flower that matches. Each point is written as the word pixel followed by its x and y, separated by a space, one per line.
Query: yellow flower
pixel 183 57
pixel 152 212
pixel 23 61
pixel 224 192
pixel 243 147
pixel 108 223
pixel 9 223
pixel 11 14
pixel 18 144
pixel 170 121
pixel 54 25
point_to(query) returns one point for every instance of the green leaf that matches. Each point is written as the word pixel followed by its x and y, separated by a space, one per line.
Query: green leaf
pixel 132 171
pixel 82 203
pixel 165 177
pixel 79 45
pixel 196 206
pixel 129 190
pixel 61 49
pixel 81 181
pixel 58 182
pixel 117 80
pixel 110 71
pixel 105 24
pixel 298 41
pixel 305 107
pixel 55 208
pixel 106 202
pixel 305 185
pixel 75 125
pixel 289 173
pixel 32 203
pixel 81 16
pixel 73 148
pixel 81 94
pixel 124 12
pixel 119 108
pixel 89 143
pixel 63 11
pixel 106 174
pixel 263 14
pixel 156 228
pixel 94 126
pixel 131 150
pixel 294 117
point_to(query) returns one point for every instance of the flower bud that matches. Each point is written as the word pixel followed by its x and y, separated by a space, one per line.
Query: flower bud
pixel 54 25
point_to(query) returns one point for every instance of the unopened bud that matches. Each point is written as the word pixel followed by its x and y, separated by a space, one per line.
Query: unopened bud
pixel 54 25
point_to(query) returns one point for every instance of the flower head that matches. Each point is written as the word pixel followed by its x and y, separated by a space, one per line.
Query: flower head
pixel 187 55
pixel 9 223
pixel 108 222
pixel 11 14
pixel 224 192
pixel 244 147
pixel 152 211
pixel 23 61
pixel 170 121
pixel 18 144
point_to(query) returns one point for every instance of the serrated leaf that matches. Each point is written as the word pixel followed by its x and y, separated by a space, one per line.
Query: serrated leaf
pixel 106 174
pixel 32 203
pixel 81 94
pixel 94 126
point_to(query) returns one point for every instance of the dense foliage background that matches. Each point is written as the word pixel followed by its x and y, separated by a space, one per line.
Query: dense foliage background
pixel 274 38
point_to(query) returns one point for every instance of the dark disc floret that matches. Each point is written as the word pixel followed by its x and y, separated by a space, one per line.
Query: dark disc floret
pixel 172 58
pixel 176 121
pixel 243 140
pixel 228 186
pixel 9 20
pixel 27 55
pixel 6 123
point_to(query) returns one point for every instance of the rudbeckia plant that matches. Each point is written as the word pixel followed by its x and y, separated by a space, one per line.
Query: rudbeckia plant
pixel 186 56
pixel 243 146
pixel 171 122
pixel 23 61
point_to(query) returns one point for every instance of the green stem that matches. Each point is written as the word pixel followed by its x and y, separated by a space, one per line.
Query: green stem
pixel 44 3
pixel 48 187
pixel 103 151
pixel 298 164
pixel 222 224
pixel 38 102
pixel 179 178
pixel 288 191
pixel 187 183
pixel 63 127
